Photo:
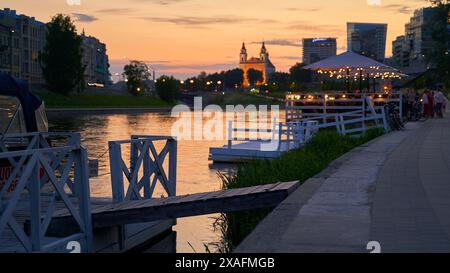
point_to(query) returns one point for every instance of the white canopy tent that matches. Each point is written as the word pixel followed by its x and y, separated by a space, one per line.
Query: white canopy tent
pixel 350 64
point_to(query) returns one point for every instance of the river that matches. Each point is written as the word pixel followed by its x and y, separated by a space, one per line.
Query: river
pixel 194 172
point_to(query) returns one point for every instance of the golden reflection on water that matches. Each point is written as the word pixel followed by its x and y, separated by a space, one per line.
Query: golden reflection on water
pixel 194 173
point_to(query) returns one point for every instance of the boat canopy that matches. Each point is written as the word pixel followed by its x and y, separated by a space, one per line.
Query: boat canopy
pixel 20 110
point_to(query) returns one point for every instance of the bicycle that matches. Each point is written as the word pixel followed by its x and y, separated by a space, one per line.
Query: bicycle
pixel 417 111
pixel 393 116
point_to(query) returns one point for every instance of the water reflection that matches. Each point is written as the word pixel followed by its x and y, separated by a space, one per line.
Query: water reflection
pixel 194 173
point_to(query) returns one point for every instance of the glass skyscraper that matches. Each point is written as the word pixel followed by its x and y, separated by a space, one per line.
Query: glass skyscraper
pixel 318 49
pixel 367 39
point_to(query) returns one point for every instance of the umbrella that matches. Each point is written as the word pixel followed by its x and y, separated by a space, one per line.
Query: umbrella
pixel 352 64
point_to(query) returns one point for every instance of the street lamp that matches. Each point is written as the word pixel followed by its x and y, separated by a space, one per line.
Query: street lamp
pixel 11 49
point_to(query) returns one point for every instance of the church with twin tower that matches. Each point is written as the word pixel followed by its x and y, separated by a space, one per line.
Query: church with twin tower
pixel 262 64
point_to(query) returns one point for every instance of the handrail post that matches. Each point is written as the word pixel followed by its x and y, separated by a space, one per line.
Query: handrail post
pixel 173 165
pixel 83 195
pixel 115 157
pixel 341 118
pixel 338 125
pixel 133 154
pixel 280 133
pixel 35 208
pixel 230 134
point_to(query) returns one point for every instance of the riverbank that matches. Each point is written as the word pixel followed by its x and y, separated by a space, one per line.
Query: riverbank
pixel 105 111
pixel 245 99
pixel 296 165
pixel 334 210
pixel 100 99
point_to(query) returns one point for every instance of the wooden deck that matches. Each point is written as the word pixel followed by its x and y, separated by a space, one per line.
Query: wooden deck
pixel 146 218
pixel 105 240
pixel 131 212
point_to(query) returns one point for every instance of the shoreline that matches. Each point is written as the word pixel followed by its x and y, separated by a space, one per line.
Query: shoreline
pixel 119 110
pixel 100 111
pixel 332 202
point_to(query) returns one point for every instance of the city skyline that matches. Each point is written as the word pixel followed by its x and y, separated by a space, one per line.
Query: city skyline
pixel 184 37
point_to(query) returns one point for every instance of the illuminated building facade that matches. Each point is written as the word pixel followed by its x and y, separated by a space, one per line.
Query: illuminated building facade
pixel 262 64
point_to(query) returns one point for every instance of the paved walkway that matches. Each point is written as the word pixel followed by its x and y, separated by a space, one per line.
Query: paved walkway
pixel 395 190
pixel 411 208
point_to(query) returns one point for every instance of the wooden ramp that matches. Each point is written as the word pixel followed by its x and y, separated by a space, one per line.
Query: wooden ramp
pixel 141 211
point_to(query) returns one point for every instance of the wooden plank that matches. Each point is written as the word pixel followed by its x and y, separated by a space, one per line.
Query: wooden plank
pixel 195 204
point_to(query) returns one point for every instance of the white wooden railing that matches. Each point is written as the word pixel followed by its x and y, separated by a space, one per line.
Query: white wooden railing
pixel 293 134
pixel 146 167
pixel 57 174
pixel 298 130
pixel 304 105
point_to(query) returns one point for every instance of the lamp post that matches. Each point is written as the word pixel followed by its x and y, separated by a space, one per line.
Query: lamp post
pixel 360 79
pixel 191 85
pixel 348 80
pixel 368 83
pixel 11 33
pixel 219 85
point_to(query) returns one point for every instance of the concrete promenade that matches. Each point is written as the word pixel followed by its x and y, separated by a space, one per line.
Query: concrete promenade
pixel 394 190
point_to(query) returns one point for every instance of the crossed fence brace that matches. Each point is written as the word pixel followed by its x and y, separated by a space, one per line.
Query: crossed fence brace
pixel 63 172
pixel 146 168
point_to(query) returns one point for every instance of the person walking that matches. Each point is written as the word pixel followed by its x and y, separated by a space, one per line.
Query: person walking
pixel 431 103
pixel 439 103
pixel 411 99
pixel 425 102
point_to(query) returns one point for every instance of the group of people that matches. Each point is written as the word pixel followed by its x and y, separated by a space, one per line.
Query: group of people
pixel 433 103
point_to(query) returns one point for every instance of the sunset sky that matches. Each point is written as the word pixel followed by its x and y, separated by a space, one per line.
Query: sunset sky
pixel 185 37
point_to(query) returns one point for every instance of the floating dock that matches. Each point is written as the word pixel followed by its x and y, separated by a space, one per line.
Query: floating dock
pixel 283 137
pixel 246 151
pixel 306 114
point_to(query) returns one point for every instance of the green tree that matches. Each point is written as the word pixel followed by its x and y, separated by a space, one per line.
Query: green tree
pixel 168 88
pixel 300 75
pixel 440 55
pixel 254 76
pixel 135 73
pixel 234 77
pixel 279 81
pixel 61 58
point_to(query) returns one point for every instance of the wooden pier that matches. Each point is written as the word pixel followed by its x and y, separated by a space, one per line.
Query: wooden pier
pixel 132 212
pixel 45 203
